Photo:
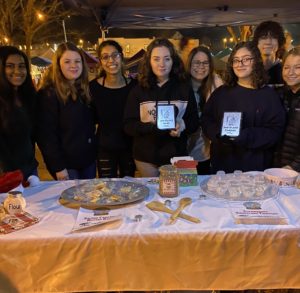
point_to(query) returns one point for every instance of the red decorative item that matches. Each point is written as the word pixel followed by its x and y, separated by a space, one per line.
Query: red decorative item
pixel 10 180
pixel 186 164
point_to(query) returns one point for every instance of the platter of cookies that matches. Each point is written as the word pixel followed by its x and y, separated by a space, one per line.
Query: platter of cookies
pixel 103 193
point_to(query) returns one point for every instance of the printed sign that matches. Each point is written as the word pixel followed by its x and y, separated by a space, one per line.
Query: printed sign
pixel 166 117
pixel 231 125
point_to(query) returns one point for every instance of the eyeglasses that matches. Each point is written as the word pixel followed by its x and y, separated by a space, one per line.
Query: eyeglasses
pixel 114 56
pixel 197 64
pixel 244 61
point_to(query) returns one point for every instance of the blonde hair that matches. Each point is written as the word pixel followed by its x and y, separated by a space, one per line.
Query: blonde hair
pixel 294 52
pixel 63 87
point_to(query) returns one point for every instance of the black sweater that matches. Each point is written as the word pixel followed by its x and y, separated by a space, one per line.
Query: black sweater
pixel 17 142
pixel 109 107
pixel 289 149
pixel 66 132
pixel 150 144
pixel 262 126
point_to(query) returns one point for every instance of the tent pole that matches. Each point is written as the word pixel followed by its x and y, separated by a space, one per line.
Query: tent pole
pixel 64 28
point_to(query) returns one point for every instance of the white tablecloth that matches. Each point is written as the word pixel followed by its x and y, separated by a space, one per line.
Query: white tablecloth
pixel 150 255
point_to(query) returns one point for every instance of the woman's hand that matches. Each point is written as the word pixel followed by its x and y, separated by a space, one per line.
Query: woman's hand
pixel 180 126
pixel 175 132
pixel 62 175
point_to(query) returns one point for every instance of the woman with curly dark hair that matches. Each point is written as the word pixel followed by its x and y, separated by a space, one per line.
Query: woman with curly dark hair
pixel 161 83
pixel 17 112
pixel 262 115
pixel 270 40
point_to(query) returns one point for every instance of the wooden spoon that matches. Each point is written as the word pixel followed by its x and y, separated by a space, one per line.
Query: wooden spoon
pixel 160 207
pixel 182 204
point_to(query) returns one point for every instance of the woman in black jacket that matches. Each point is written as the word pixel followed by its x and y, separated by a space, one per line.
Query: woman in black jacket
pixel 17 113
pixel 109 95
pixel 66 124
pixel 161 82
pixel 288 154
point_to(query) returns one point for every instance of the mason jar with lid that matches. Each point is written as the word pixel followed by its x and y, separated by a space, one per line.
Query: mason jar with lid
pixel 168 181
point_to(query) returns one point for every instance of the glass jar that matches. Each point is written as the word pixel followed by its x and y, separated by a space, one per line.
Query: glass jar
pixel 168 181
pixel 14 203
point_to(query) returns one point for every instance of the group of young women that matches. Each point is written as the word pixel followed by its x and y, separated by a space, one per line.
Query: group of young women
pixel 111 123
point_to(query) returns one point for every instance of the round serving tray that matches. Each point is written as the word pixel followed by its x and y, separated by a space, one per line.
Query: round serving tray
pixel 103 193
pixel 270 192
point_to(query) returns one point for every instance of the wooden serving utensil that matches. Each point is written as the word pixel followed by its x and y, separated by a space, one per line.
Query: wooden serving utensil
pixel 182 204
pixel 160 207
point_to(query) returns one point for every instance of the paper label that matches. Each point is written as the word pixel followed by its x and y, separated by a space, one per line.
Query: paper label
pixel 257 212
pixel 90 218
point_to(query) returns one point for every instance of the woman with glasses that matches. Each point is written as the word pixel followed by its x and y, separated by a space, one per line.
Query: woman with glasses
pixel 161 110
pixel 66 126
pixel 109 94
pixel 17 113
pixel 288 154
pixel 270 40
pixel 204 81
pixel 244 119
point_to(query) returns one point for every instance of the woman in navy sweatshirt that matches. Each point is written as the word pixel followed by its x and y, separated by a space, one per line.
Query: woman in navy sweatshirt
pixel 263 117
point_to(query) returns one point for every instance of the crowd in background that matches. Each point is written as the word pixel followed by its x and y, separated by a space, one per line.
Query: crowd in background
pixel 110 124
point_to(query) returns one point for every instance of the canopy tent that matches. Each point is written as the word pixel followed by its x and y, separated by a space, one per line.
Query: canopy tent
pixel 132 63
pixel 224 54
pixel 135 59
pixel 90 59
pixel 40 61
pixel 174 14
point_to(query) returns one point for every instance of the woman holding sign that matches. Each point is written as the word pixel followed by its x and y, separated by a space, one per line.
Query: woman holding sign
pixel 243 119
pixel 160 110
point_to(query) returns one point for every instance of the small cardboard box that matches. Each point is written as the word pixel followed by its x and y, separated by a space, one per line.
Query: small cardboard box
pixel 187 172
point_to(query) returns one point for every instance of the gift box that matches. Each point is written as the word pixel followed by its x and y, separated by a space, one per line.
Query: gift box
pixel 187 171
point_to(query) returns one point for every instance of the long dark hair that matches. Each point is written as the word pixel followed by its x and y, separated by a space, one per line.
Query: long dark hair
pixel 147 78
pixel 105 44
pixel 258 74
pixel 208 82
pixel 8 94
